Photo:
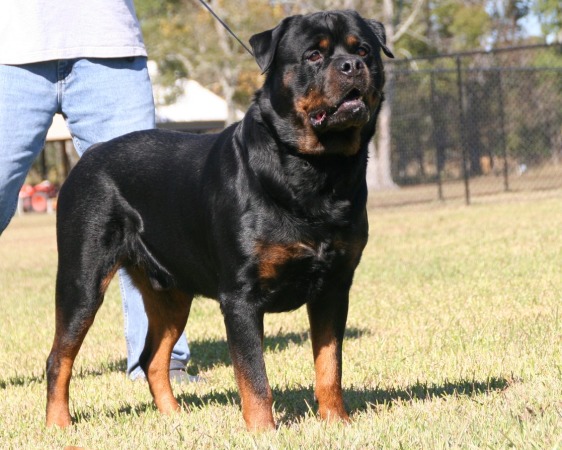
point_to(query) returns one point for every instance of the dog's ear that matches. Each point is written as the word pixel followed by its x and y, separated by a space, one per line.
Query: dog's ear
pixel 265 44
pixel 378 29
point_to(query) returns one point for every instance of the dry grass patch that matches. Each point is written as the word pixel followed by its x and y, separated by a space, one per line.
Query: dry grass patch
pixel 454 341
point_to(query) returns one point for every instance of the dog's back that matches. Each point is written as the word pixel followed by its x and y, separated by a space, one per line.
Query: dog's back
pixel 115 207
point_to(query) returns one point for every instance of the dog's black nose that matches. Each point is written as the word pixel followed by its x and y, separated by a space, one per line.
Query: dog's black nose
pixel 350 66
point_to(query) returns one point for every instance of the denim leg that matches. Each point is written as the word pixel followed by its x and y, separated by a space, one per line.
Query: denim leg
pixel 119 101
pixel 28 102
pixel 136 327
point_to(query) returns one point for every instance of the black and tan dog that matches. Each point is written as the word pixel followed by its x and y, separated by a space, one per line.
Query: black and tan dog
pixel 265 217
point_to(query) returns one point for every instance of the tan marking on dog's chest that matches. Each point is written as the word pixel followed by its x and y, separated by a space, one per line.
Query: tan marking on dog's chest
pixel 273 256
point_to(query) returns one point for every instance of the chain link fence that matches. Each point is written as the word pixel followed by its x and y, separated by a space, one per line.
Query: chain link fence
pixel 475 124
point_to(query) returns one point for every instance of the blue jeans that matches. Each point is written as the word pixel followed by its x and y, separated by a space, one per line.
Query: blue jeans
pixel 100 99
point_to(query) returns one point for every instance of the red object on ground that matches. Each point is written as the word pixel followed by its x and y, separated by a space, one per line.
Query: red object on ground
pixel 38 198
pixel 39 202
pixel 26 190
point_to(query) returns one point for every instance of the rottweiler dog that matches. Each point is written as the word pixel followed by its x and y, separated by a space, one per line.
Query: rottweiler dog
pixel 266 216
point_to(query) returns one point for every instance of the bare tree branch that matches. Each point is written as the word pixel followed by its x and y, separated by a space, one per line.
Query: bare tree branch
pixel 408 22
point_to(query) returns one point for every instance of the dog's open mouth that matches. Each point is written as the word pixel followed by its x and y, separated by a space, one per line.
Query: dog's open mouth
pixel 351 106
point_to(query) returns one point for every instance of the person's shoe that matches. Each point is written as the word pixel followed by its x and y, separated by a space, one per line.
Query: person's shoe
pixel 178 374
pixel 181 376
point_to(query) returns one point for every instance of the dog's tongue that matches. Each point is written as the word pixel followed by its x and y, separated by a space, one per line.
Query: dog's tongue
pixel 318 117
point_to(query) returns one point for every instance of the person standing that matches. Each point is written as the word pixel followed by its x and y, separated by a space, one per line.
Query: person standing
pixel 86 60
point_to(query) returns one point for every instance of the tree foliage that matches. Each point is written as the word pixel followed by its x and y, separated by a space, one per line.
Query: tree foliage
pixel 550 14
pixel 186 41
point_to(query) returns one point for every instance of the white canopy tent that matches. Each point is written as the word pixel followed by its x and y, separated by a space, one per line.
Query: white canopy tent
pixel 58 130
pixel 195 108
pixel 194 104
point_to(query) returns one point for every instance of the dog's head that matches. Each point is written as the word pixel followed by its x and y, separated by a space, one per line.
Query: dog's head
pixel 324 80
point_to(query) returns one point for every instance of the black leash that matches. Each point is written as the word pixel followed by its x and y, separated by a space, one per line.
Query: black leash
pixel 206 5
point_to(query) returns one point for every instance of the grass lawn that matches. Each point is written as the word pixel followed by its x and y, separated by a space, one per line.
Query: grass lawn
pixel 454 341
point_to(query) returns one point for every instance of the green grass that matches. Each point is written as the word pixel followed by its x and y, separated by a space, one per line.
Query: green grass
pixel 454 341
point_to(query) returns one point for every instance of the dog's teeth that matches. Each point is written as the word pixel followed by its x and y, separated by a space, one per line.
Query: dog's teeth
pixel 318 117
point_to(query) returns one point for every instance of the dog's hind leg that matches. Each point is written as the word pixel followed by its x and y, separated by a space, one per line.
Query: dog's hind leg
pixel 167 311
pixel 79 294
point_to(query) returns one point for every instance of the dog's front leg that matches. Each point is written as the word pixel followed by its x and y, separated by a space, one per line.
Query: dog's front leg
pixel 244 329
pixel 327 317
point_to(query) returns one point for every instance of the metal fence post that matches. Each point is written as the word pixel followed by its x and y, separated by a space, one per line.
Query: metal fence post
pixel 437 144
pixel 462 134
pixel 502 129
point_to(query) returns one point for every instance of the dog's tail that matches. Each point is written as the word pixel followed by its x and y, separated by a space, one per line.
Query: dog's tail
pixel 135 253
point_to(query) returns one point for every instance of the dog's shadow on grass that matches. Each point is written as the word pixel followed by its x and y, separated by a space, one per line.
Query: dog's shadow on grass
pixel 292 405
pixel 208 353
pixel 21 381
pixel 295 403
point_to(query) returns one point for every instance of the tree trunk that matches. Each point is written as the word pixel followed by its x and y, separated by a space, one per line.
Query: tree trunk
pixel 379 175
pixel 227 81
pixel 229 75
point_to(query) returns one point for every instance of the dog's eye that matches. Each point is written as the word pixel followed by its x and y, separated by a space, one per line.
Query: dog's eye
pixel 314 56
pixel 362 51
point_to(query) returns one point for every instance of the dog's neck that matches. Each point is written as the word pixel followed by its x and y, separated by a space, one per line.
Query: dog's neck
pixel 320 188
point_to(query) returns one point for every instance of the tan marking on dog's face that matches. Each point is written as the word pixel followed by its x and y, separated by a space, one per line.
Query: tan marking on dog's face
pixel 325 89
pixel 311 142
pixel 304 105
pixel 324 44
pixel 351 40
pixel 308 142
